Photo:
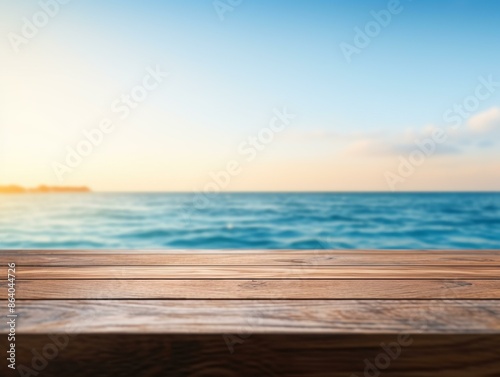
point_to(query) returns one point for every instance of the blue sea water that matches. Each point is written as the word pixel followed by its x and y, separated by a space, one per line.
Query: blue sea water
pixel 251 220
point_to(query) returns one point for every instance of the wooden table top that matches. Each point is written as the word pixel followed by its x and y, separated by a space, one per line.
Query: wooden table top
pixel 261 291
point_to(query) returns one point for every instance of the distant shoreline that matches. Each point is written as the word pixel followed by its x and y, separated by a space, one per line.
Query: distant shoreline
pixel 42 189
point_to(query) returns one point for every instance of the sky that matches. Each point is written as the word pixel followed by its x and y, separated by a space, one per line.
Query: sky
pixel 260 95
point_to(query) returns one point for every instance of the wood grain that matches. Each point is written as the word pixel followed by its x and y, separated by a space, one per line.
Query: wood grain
pixel 259 316
pixel 257 272
pixel 460 252
pixel 295 313
pixel 255 289
pixel 322 258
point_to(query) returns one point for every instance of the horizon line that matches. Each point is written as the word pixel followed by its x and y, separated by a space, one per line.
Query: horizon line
pixel 288 191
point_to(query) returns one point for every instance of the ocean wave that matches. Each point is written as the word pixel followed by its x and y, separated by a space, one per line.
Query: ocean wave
pixel 244 221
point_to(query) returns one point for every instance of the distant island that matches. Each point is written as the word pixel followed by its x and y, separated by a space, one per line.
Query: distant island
pixel 42 189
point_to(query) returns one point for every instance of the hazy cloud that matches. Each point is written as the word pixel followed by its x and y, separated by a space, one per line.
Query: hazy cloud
pixel 479 132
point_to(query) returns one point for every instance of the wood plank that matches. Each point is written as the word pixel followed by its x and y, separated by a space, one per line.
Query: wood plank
pixel 262 355
pixel 294 313
pixel 471 252
pixel 255 289
pixel 257 272
pixel 267 259
pixel 259 316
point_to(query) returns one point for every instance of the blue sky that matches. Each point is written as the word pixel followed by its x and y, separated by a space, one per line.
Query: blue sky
pixel 227 76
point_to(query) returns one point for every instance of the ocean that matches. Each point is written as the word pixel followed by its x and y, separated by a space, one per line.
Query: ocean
pixel 251 221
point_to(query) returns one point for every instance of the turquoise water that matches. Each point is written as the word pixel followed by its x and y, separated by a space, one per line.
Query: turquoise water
pixel 268 221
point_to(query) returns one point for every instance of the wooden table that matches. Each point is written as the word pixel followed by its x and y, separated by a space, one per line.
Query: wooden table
pixel 256 313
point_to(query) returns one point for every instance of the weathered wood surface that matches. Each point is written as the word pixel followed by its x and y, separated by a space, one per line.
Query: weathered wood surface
pixel 278 258
pixel 260 316
pixel 240 252
pixel 293 313
pixel 255 289
pixel 257 272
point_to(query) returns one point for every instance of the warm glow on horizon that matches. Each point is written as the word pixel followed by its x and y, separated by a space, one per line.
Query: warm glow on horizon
pixel 165 114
